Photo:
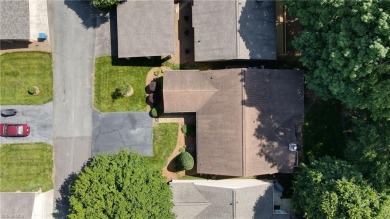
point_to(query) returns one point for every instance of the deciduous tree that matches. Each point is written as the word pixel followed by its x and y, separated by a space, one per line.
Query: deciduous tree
pixel 345 45
pixel 120 186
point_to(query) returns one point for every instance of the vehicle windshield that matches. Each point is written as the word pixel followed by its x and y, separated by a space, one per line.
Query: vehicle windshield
pixel 20 130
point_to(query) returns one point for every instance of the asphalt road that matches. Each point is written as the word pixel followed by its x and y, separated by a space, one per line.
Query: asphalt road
pixel 38 117
pixel 73 41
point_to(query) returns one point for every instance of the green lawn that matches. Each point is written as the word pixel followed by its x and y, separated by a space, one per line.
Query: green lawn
pixel 26 167
pixel 323 130
pixel 19 71
pixel 164 142
pixel 111 72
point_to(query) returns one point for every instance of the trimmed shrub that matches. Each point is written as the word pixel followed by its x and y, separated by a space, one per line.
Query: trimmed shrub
pixel 154 113
pixel 189 130
pixel 157 73
pixel 33 90
pixel 125 89
pixel 186 161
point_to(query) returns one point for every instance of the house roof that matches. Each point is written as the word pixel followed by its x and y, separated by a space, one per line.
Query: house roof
pixel 234 29
pixel 222 198
pixel 14 20
pixel 145 28
pixel 17 204
pixel 245 126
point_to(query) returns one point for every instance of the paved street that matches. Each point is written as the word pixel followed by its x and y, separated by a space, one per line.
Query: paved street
pixel 39 117
pixel 73 40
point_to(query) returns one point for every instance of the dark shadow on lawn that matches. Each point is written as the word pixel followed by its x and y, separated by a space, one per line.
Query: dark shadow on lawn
pixel 154 61
pixel 90 16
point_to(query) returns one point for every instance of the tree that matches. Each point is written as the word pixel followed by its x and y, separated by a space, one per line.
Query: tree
pixel 105 5
pixel 345 46
pixel 330 188
pixel 120 186
pixel 369 150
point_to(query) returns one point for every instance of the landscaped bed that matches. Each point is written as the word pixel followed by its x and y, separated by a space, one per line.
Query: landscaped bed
pixel 20 72
pixel 111 73
pixel 26 167
pixel 164 142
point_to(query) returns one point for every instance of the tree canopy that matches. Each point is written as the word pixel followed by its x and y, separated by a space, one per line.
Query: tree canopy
pixel 330 188
pixel 346 47
pixel 105 5
pixel 120 186
pixel 369 150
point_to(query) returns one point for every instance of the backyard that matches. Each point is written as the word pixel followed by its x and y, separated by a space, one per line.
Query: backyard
pixel 20 71
pixel 26 167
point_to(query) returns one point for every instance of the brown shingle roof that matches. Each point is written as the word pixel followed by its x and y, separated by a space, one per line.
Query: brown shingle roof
pixel 245 125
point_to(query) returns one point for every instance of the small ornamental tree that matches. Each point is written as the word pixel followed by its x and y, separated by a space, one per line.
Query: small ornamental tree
pixel 120 186
pixel 154 113
pixel 186 161
pixel 330 188
pixel 105 5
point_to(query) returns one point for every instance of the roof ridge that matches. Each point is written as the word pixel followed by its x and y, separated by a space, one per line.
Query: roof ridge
pixel 237 24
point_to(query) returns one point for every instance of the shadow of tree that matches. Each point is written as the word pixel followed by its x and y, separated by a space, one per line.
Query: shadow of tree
pixel 264 204
pixel 116 94
pixel 277 98
pixel 154 61
pixel 90 16
pixel 257 28
pixel 62 204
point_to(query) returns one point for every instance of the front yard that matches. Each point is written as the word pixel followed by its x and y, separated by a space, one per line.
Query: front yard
pixel 111 73
pixel 21 70
pixel 26 167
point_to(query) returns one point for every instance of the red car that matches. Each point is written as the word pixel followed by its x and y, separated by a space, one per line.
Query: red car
pixel 14 130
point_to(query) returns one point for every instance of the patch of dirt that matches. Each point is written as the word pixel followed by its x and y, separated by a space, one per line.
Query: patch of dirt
pixel 150 77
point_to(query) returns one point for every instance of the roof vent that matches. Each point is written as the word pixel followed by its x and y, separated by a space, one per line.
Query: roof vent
pixel 292 147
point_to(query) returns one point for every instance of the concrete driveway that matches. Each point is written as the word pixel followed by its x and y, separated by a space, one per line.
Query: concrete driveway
pixel 40 119
pixel 73 58
pixel 125 130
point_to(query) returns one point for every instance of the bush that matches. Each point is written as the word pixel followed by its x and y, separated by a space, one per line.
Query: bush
pixel 186 161
pixel 157 73
pixel 189 130
pixel 33 90
pixel 154 113
pixel 124 89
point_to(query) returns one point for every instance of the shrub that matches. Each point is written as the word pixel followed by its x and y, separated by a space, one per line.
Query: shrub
pixel 33 90
pixel 189 130
pixel 154 113
pixel 124 89
pixel 186 161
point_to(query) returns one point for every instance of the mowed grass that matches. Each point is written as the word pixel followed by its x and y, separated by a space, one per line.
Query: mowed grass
pixel 19 71
pixel 164 142
pixel 323 131
pixel 26 167
pixel 110 73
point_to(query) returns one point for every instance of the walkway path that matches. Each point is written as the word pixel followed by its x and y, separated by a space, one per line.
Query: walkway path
pixel 73 57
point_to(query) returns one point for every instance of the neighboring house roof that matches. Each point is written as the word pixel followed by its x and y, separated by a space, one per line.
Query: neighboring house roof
pixel 17 204
pixel 226 199
pixel 145 28
pixel 14 19
pixel 234 29
pixel 245 126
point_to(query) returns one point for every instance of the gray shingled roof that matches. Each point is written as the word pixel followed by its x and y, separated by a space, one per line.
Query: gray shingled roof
pixel 222 199
pixel 17 204
pixel 145 28
pixel 14 20
pixel 245 126
pixel 234 29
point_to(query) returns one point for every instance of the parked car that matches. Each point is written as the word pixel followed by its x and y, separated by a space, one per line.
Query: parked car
pixel 14 130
